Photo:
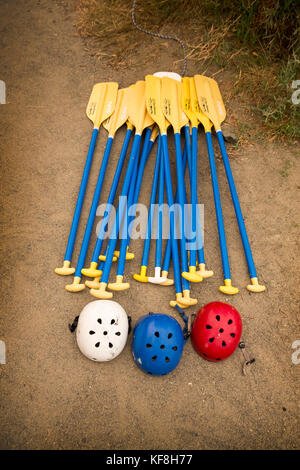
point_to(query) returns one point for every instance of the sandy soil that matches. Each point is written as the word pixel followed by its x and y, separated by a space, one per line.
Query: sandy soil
pixel 52 396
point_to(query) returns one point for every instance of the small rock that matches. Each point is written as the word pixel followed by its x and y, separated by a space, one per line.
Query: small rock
pixel 229 134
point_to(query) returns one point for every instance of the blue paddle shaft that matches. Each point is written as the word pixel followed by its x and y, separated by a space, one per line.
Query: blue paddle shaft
pixel 158 247
pixel 115 230
pixel 133 199
pixel 93 210
pixel 181 200
pixel 150 145
pixel 144 157
pixel 147 242
pixel 167 255
pixel 111 197
pixel 174 245
pixel 200 251
pixel 80 198
pixel 124 234
pixel 237 207
pixel 218 207
pixel 194 198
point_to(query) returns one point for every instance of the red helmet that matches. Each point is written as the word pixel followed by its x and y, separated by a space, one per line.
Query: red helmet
pixel 216 331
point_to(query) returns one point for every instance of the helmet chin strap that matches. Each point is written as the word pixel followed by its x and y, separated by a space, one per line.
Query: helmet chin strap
pixel 248 361
pixel 129 324
pixel 73 326
pixel 187 322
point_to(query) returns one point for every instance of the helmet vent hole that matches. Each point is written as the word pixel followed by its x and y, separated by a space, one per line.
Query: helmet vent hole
pixel 91 332
pixel 154 358
pixel 162 346
pixel 148 345
pixel 118 333
pixel 99 321
pixel 232 335
pixel 170 335
pixel 223 344
pixel 221 330
pixel 218 317
pixel 218 359
pixel 112 322
pixel 229 322
pixel 204 354
pixel 211 340
pixel 97 345
pixel 105 333
pixel 174 348
pixel 208 327
pixel 156 334
pixel 110 345
pixel 167 359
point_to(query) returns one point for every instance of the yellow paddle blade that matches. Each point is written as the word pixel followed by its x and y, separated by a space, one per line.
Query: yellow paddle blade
pixel 102 102
pixel 154 102
pixel 210 100
pixel 171 102
pixel 137 111
pixel 218 100
pixel 120 114
pixel 202 118
pixel 186 102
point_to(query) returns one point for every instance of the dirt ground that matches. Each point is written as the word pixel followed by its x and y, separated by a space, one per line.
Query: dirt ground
pixel 51 396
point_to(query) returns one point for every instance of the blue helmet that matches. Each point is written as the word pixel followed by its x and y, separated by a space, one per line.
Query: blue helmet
pixel 158 342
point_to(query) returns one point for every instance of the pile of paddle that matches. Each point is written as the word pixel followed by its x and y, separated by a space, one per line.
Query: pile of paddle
pixel 149 108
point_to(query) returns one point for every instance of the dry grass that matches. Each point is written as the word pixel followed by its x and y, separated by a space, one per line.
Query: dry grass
pixel 109 23
pixel 257 41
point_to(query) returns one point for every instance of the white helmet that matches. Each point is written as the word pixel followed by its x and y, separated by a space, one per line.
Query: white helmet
pixel 102 330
